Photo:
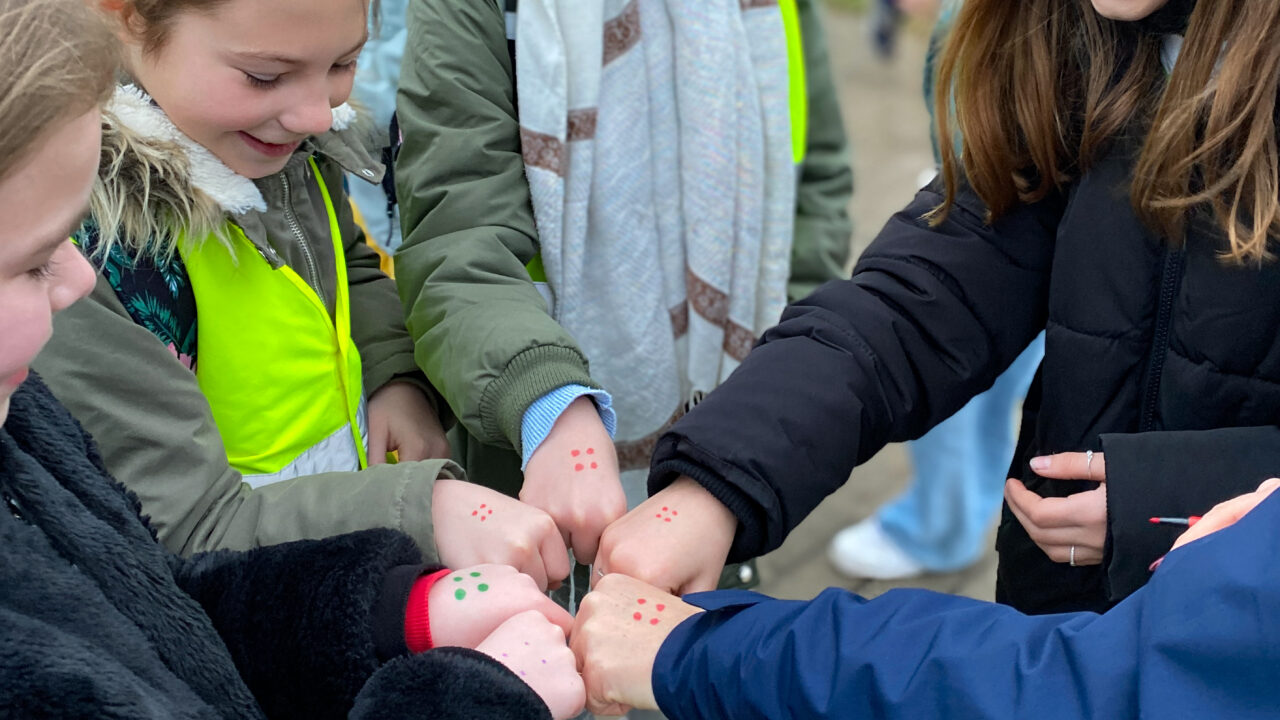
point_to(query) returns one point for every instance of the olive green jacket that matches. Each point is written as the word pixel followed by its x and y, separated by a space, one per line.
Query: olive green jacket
pixel 145 409
pixel 482 331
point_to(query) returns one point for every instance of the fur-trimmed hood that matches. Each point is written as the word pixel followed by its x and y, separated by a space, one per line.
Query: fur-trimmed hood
pixel 156 184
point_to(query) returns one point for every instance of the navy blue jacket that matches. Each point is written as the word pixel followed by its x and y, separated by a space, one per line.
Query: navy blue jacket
pixel 1200 640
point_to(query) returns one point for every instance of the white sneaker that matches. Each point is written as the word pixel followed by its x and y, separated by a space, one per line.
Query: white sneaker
pixel 865 551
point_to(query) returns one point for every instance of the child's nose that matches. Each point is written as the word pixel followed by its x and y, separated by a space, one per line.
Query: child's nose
pixel 311 117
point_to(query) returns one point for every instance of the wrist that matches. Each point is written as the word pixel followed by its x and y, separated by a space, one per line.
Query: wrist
pixel 417 614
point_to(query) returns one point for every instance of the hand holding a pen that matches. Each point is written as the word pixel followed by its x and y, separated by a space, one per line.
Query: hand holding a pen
pixel 1226 513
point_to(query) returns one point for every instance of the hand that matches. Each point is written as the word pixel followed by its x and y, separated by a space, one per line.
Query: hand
pixel 477 525
pixel 402 421
pixel 677 540
pixel 1226 513
pixel 573 476
pixel 535 650
pixel 466 605
pixel 620 627
pixel 1057 524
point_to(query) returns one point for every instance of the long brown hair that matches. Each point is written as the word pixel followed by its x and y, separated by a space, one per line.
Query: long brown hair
pixel 59 61
pixel 1042 86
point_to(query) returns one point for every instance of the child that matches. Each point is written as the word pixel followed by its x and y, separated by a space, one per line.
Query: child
pixel 1116 190
pixel 225 356
pixel 99 621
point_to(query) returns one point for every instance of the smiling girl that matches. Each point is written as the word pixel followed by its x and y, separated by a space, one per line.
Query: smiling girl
pixel 241 355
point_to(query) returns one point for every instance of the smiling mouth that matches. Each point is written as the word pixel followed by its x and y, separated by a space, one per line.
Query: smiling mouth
pixel 269 149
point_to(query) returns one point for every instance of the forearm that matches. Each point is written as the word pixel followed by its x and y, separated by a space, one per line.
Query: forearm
pixel 857 364
pixel 302 619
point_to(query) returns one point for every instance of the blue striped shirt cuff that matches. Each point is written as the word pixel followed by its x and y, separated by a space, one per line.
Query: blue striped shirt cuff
pixel 543 413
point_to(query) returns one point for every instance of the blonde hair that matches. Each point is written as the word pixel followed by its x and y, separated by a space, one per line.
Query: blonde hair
pixel 59 61
pixel 1042 87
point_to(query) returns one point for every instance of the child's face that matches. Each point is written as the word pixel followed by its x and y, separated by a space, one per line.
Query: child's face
pixel 42 201
pixel 251 79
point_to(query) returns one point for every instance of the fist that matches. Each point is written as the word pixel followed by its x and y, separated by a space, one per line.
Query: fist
pixel 467 605
pixel 477 525
pixel 620 627
pixel 535 650
pixel 677 540
pixel 573 476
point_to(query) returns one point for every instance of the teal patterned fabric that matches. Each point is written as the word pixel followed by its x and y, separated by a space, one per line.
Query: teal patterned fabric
pixel 156 293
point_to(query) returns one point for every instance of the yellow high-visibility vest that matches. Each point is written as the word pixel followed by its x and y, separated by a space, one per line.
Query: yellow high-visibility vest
pixel 282 377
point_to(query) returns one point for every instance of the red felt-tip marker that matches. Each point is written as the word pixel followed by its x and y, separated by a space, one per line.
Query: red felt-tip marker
pixel 1188 521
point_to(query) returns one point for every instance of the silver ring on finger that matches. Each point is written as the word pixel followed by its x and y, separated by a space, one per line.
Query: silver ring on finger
pixel 599 571
pixel 1072 559
pixel 1088 463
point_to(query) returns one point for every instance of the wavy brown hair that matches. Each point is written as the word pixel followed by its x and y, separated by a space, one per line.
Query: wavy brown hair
pixel 59 61
pixel 1041 87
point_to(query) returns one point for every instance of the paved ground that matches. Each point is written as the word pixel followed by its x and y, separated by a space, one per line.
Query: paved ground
pixel 885 115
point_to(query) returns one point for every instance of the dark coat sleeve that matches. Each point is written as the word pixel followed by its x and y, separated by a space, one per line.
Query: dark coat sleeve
pixel 1174 474
pixel 447 684
pixel 308 622
pixel 930 318
pixel 1200 640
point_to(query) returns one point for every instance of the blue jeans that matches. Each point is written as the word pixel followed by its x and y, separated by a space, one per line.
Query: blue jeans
pixel 942 519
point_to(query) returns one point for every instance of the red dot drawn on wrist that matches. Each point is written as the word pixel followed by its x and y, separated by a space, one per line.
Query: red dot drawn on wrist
pixel 638 616
pixel 482 513
pixel 671 513
pixel 580 466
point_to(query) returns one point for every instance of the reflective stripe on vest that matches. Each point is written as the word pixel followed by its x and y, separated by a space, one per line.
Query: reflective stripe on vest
pixel 797 87
pixel 282 378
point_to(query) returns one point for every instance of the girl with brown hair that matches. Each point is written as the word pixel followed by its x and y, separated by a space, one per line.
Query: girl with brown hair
pixel 1118 186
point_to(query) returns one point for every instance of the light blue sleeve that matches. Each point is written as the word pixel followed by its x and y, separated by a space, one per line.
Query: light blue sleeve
pixel 544 412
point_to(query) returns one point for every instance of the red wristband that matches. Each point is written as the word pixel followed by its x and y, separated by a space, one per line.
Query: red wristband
pixel 417 618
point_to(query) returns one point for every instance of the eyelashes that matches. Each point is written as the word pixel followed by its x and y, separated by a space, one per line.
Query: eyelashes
pixel 264 82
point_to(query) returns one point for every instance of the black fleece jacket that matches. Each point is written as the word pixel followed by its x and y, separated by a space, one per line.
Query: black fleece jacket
pixel 97 620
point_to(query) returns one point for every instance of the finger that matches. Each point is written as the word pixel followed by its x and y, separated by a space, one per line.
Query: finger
pixel 533 567
pixel 1224 514
pixel 586 542
pixel 555 557
pixel 377 446
pixel 1084 555
pixel 1024 503
pixel 556 614
pixel 1071 466
pixel 1073 511
pixel 704 581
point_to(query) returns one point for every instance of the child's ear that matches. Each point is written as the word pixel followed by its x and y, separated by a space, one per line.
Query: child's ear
pixel 130 28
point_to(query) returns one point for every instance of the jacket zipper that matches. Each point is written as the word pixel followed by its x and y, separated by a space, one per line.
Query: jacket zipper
pixel 1170 276
pixel 313 273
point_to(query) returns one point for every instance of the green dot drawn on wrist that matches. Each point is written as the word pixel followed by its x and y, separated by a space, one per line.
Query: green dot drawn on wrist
pixel 461 593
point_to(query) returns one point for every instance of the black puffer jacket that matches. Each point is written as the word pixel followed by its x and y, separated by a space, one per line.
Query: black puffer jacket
pixel 97 620
pixel 1168 360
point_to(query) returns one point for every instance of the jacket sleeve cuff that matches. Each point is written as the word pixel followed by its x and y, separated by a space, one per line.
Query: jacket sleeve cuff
pixel 668 466
pixel 529 376
pixel 1173 474
pixel 541 416
pixel 390 611
pixel 417 613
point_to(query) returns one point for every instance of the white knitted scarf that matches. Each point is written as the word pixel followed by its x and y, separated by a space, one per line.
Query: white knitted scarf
pixel 656 138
